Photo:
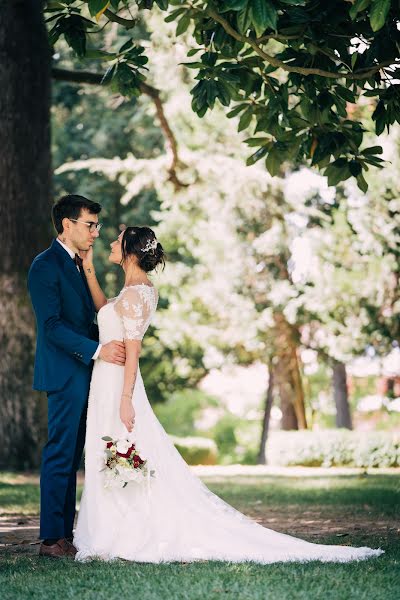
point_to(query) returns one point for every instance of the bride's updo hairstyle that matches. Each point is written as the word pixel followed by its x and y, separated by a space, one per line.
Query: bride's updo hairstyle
pixel 142 242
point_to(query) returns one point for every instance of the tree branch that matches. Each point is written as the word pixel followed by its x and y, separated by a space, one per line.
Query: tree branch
pixel 97 78
pixel 275 62
pixel 277 36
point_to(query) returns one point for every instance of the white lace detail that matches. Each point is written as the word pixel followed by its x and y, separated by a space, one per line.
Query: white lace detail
pixel 136 305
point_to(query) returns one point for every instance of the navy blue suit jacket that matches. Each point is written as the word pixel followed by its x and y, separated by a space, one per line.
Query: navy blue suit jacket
pixel 64 313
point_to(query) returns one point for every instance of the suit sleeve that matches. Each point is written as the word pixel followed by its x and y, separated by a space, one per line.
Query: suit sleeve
pixel 45 296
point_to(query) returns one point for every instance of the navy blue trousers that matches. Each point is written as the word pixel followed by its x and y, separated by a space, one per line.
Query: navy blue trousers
pixel 62 454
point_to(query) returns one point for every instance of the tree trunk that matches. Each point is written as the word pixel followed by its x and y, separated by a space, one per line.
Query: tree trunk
pixel 25 188
pixel 340 393
pixel 288 376
pixel 261 459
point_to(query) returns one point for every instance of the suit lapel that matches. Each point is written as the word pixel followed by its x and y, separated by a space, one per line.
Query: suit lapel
pixel 88 294
pixel 73 275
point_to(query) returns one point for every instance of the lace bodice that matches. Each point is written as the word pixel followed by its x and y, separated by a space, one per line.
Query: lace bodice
pixel 128 316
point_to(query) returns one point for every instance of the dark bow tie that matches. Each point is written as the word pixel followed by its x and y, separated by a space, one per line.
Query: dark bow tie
pixel 78 261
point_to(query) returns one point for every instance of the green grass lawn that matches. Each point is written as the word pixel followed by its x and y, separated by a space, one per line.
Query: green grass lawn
pixel 352 510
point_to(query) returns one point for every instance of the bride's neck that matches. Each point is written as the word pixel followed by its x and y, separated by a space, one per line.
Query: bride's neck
pixel 134 274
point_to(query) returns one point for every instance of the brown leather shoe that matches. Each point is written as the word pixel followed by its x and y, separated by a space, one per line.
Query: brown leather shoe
pixel 60 549
pixel 71 548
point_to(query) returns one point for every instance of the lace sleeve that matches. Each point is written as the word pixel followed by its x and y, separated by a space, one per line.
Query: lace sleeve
pixel 135 313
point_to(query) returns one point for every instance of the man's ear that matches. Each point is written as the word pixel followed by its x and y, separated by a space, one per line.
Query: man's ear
pixel 66 225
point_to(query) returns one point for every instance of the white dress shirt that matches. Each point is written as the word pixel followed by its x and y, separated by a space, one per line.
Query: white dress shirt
pixel 72 255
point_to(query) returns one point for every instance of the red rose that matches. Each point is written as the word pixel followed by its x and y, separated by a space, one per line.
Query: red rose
pixel 127 454
pixel 109 444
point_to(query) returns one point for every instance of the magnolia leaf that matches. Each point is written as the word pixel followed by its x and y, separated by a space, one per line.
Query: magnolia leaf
pixel 358 6
pixel 264 15
pixel 99 14
pixel 183 24
pixel 257 141
pixel 101 54
pixel 245 119
pixel 378 14
pixel 97 7
pixel 175 13
pixel 162 4
pixel 373 150
pixel 233 5
pixel 244 20
pixel 273 162
pixel 362 184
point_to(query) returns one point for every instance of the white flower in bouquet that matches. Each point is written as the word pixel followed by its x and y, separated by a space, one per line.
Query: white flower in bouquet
pixel 123 446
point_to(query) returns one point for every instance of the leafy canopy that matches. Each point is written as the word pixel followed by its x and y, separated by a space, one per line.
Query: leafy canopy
pixel 293 70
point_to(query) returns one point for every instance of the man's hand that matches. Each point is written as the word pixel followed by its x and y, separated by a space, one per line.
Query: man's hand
pixel 113 352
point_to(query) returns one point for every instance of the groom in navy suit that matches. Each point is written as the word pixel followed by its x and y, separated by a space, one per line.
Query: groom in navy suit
pixel 66 348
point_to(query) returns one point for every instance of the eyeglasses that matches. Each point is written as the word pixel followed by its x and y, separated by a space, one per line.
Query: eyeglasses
pixel 91 224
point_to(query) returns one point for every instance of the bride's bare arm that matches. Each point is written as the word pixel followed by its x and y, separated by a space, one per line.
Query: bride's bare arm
pixel 127 411
pixel 99 299
pixel 133 306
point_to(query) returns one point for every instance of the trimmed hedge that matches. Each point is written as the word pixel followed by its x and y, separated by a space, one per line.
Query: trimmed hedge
pixel 196 450
pixel 334 447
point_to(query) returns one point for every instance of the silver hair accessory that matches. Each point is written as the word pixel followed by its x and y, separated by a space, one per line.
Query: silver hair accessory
pixel 151 245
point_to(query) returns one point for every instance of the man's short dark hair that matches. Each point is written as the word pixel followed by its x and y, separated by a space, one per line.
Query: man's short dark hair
pixel 70 207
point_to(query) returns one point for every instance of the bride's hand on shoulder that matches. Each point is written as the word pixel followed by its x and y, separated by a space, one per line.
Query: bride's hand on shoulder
pixel 127 413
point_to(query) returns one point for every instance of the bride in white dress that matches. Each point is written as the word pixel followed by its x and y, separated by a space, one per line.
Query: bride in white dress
pixel 176 517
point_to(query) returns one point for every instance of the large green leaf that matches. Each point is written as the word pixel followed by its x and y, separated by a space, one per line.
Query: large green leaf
pixel 175 13
pixel 76 38
pixel 260 153
pixel 235 111
pixel 100 54
pixel 373 150
pixel 362 184
pixel 96 6
pixel 273 162
pixel 338 171
pixel 245 119
pixel 358 6
pixel 263 15
pixel 233 5
pixel 244 19
pixel 378 14
pixel 183 24
pixel 163 4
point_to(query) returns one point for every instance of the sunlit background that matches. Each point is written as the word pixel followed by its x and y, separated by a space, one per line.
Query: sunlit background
pixel 279 303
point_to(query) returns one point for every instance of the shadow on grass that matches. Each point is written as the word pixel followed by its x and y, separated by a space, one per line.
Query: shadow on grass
pixel 23 576
pixel 377 493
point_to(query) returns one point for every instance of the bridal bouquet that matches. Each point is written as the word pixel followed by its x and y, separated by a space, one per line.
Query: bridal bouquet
pixel 123 463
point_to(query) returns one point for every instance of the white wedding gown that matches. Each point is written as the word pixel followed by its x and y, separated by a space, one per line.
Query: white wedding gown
pixel 176 517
